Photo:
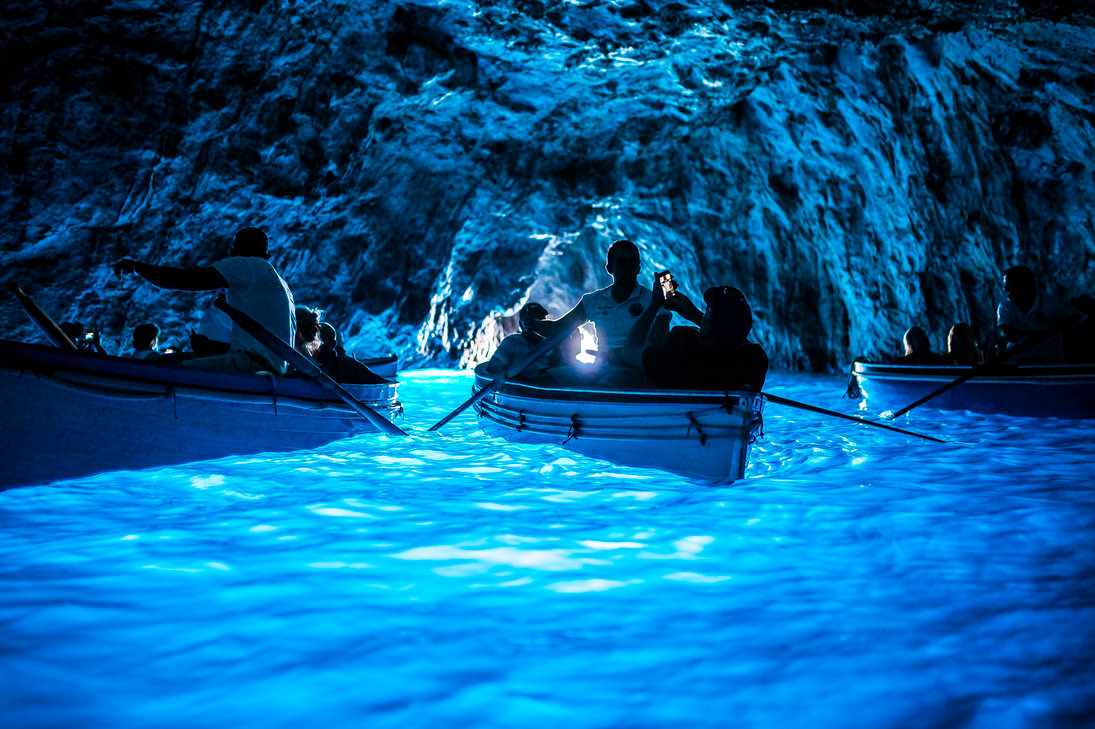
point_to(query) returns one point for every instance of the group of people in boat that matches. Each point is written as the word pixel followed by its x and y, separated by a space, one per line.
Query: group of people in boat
pixel 252 285
pixel 1033 326
pixel 636 346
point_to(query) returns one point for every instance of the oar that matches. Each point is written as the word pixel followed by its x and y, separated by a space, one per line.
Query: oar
pixel 980 369
pixel 306 366
pixel 814 409
pixel 515 368
pixel 49 327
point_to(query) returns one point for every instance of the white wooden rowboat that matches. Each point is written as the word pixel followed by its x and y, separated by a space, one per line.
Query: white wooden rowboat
pixel 699 434
pixel 68 414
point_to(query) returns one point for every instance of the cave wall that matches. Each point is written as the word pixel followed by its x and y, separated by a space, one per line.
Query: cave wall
pixel 424 168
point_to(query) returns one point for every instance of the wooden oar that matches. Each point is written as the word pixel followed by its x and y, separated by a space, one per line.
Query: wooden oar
pixel 814 409
pixel 306 366
pixel 980 369
pixel 515 368
pixel 49 327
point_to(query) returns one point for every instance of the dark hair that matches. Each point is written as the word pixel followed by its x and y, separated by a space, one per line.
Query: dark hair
pixel 917 340
pixel 328 337
pixel 1022 276
pixel 308 321
pixel 251 242
pixel 529 313
pixel 729 312
pixel 621 243
pixel 143 334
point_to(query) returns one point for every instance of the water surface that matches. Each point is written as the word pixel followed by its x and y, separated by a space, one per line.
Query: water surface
pixel 856 577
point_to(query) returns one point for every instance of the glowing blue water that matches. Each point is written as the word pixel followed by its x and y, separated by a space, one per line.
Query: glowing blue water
pixel 856 578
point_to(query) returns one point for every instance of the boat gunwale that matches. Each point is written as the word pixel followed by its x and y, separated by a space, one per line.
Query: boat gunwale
pixel 50 361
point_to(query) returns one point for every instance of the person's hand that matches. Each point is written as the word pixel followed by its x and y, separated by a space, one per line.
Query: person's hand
pixel 126 265
pixel 657 298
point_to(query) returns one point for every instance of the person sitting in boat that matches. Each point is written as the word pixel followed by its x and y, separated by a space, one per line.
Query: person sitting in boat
pixel 340 367
pixel 918 350
pixel 146 342
pixel 307 340
pixel 253 286
pixel 717 356
pixel 518 345
pixel 962 349
pixel 613 309
pixel 1028 312
pixel 85 341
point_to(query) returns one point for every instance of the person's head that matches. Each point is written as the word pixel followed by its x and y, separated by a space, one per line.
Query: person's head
pixel 529 313
pixel 251 242
pixel 727 318
pixel 328 342
pixel 72 330
pixel 916 341
pixel 622 262
pixel 1020 287
pixel 308 321
pixel 146 336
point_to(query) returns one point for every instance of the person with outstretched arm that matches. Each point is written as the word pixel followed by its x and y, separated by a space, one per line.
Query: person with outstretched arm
pixel 253 286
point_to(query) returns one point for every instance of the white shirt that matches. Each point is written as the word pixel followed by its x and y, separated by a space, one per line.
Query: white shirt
pixel 614 319
pixel 256 289
pixel 1046 312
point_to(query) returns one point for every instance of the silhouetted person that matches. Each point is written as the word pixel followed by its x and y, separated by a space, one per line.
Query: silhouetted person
pixel 146 342
pixel 85 341
pixel 1029 312
pixel 613 309
pixel 918 349
pixel 253 286
pixel 332 359
pixel 307 340
pixel 962 349
pixel 516 346
pixel 717 356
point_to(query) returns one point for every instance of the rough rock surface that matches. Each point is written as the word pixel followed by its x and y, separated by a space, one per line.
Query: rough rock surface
pixel 424 167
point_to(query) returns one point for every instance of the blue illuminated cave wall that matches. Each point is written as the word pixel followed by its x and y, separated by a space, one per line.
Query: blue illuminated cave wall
pixel 424 167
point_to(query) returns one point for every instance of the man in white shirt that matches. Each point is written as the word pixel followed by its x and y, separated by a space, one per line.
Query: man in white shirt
pixel 613 309
pixel 1028 312
pixel 253 286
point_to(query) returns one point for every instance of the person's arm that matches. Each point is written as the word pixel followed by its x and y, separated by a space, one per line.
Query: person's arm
pixel 548 328
pixel 205 278
pixel 683 305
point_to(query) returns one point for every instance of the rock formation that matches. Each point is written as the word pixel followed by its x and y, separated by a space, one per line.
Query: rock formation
pixel 425 167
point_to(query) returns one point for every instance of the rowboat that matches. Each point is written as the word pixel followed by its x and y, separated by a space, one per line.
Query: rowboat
pixel 1059 391
pixel 703 435
pixel 69 414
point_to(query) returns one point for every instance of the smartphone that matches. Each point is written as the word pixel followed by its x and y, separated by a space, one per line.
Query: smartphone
pixel 665 280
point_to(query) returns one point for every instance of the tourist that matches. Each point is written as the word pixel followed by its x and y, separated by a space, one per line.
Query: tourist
pixel 85 340
pixel 716 356
pixel 962 349
pixel 520 344
pixel 253 287
pixel 146 342
pixel 332 359
pixel 918 350
pixel 307 340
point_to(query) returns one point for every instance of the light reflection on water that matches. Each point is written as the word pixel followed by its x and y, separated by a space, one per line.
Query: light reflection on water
pixel 856 577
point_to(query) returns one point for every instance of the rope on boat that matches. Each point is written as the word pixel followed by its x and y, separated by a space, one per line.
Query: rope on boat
pixel 692 422
pixel 575 428
pixel 521 422
pixel 114 393
pixel 852 390
pixel 756 428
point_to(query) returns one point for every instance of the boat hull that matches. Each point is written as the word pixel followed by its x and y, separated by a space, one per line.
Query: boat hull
pixel 697 434
pixel 1060 391
pixel 70 414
